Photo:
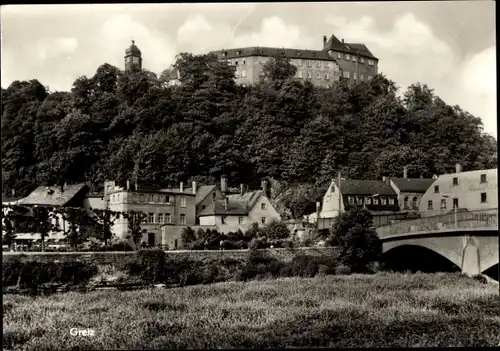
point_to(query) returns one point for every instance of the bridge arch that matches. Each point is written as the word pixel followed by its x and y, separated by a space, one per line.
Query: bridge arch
pixel 415 258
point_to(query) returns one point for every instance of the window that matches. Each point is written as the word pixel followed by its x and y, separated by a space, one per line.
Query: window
pixel 351 200
pixel 347 57
pixel 183 218
pixel 414 202
pixel 309 75
pixel 168 218
pixel 346 74
pixel 309 63
pixel 300 74
pixel 436 189
pixel 429 205
pixel 375 200
pixel 359 200
pixel 236 62
pixel 318 64
pixel 355 76
pixel 141 198
pixel 339 55
pixel 318 75
pixel 167 199
pixel 244 62
pixel 214 195
pixel 483 178
pixel 134 198
pixel 240 220
pixel 151 218
pixel 151 198
pixel 224 54
pixel 455 203
pixel 455 181
pixel 326 64
pixel 223 219
pixel 263 220
pixel 183 201
pixel 368 200
pixel 135 59
pixel 405 202
pixel 160 218
pixel 117 197
pixel 354 59
pixel 112 198
pixel 243 74
pixel 383 201
pixel 483 197
pixel 443 204
pixel 327 77
pixel 299 62
pixel 391 201
pixel 362 60
pixel 262 206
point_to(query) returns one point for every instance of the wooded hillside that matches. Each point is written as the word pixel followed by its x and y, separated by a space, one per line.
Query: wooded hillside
pixel 121 125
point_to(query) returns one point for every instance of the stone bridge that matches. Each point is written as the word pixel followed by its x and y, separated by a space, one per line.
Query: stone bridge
pixel 469 239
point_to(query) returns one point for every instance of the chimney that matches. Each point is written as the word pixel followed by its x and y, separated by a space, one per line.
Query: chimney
pixel 242 189
pixel 181 187
pixel 342 40
pixel 128 185
pixel 324 41
pixel 264 187
pixel 458 168
pixel 194 188
pixel 405 172
pixel 318 209
pixel 223 184
pixel 226 203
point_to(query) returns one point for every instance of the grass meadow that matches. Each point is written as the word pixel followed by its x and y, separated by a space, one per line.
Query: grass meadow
pixel 380 310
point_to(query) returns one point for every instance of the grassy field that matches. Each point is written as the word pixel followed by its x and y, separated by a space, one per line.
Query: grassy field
pixel 381 310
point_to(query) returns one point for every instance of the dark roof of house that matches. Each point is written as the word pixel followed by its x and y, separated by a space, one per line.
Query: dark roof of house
pixel 270 52
pixel 237 205
pixel 52 195
pixel 203 191
pixel 364 187
pixel 351 48
pixel 412 185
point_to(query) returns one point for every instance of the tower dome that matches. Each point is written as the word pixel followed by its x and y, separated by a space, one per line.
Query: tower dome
pixel 133 50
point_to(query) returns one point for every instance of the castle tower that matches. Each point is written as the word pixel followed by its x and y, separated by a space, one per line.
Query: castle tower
pixel 133 59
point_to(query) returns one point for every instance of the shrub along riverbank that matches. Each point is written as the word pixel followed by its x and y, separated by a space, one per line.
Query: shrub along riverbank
pixel 35 273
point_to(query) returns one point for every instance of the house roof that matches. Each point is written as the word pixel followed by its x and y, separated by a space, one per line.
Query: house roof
pixel 412 185
pixel 237 205
pixel 352 48
pixel 203 191
pixel 52 195
pixel 364 187
pixel 270 52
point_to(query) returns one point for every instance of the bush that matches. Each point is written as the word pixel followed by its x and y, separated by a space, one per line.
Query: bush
pixel 118 244
pixel 342 270
pixel 258 243
pixel 260 265
pixel 152 264
pixel 92 244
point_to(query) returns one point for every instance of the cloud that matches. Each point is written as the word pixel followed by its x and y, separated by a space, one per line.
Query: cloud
pixel 49 48
pixel 411 52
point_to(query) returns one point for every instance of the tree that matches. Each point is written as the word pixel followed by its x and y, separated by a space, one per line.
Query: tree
pixel 278 69
pixel 77 218
pixel 353 231
pixel 105 220
pixel 188 236
pixel 135 219
pixel 276 230
pixel 43 216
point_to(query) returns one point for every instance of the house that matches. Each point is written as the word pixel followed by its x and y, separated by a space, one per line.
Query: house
pixel 472 190
pixel 377 196
pixel 410 191
pixel 54 196
pixel 239 211
pixel 167 211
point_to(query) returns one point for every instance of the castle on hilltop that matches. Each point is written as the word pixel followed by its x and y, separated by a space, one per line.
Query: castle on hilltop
pixel 133 58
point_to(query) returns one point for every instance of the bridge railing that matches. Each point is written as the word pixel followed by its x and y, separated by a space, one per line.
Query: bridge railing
pixel 459 220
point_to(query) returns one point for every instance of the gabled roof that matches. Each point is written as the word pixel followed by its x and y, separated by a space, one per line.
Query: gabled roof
pixel 351 48
pixel 270 52
pixel 203 191
pixel 364 187
pixel 52 195
pixel 412 185
pixel 238 205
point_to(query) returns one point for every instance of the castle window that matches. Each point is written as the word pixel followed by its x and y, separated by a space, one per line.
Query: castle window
pixel 383 200
pixel 362 60
pixel 351 200
pixel 391 201
pixel 223 219
pixel 309 75
pixel 483 178
pixel 160 218
pixel 347 57
pixel 151 218
pixel 141 198
pixel 244 62
pixel 224 54
pixel 183 201
pixel 368 200
pixel 375 200
pixel 318 64
pixel 240 220
pixel 327 77
pixel 183 219
pixel 318 76
pixel 455 181
pixel 359 200
pixel 168 218
pixel 238 52
pixel 353 58
pixel 483 197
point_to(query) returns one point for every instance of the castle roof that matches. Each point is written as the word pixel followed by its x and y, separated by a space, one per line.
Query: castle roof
pixel 133 50
pixel 271 52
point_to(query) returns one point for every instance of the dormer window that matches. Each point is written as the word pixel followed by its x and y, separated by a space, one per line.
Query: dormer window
pixel 238 52
pixel 351 200
pixel 299 53
pixel 375 201
pixel 359 200
pixel 224 54
pixel 383 200
pixel 368 200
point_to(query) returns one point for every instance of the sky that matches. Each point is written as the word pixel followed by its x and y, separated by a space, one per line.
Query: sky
pixel 448 45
